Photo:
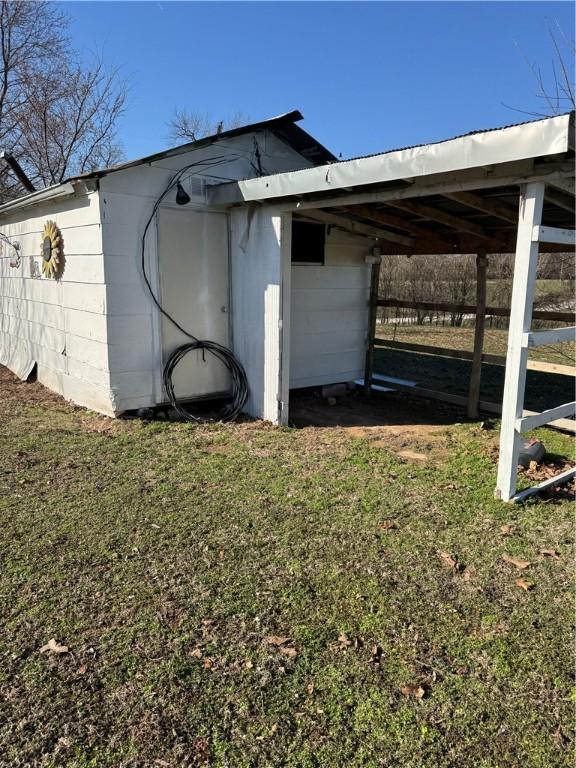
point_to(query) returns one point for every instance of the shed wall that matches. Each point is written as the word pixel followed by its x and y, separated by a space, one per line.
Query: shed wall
pixel 58 324
pixel 256 273
pixel 127 198
pixel 329 314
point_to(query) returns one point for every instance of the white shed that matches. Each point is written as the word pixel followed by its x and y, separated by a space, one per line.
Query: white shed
pixel 92 330
pixel 270 247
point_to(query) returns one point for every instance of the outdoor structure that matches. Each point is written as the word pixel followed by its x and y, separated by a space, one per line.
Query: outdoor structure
pixel 93 331
pixel 274 251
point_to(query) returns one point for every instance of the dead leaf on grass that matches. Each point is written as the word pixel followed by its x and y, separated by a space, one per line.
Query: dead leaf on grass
pixel 376 656
pixel 344 640
pixel 412 455
pixel 276 640
pixel 283 644
pixel 450 561
pixel 517 562
pixel 550 553
pixel 506 529
pixel 248 664
pixel 413 692
pixel 469 573
pixel 387 525
pixel 560 738
pixel 54 647
pixel 196 652
pixel 82 669
pixel 208 663
pixel 525 585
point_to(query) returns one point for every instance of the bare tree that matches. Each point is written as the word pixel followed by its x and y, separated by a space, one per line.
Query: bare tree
pixel 191 125
pixel 57 116
pixel 32 40
pixel 555 89
pixel 69 125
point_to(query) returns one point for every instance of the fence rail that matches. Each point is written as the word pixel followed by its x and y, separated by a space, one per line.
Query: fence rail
pixel 471 309
pixel 462 354
pixel 481 313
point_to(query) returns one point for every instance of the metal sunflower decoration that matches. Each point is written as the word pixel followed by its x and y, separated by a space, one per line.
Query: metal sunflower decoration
pixel 52 255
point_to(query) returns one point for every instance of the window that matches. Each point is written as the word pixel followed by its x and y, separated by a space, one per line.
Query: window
pixel 308 240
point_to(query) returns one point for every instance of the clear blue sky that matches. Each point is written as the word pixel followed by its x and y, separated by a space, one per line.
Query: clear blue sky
pixel 367 76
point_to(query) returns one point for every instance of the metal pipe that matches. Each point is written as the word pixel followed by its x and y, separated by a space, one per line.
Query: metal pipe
pixel 16 169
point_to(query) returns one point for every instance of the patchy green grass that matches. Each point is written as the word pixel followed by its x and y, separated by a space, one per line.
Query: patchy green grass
pixel 229 596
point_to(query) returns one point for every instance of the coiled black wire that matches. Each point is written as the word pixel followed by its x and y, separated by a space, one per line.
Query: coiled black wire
pixel 239 394
pixel 239 380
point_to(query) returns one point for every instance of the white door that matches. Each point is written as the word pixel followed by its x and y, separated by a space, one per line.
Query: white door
pixel 193 261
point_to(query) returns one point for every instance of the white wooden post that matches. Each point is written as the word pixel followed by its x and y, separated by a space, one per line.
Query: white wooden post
pixel 525 263
pixel 285 304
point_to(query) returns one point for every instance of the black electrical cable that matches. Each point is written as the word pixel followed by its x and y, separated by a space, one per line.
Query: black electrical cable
pixel 239 381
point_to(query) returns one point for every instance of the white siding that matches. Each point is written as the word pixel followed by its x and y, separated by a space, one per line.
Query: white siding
pixel 256 265
pixel 127 198
pixel 58 324
pixel 95 334
pixel 329 314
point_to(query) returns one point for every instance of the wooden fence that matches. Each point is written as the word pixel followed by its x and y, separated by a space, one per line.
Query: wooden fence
pixel 477 357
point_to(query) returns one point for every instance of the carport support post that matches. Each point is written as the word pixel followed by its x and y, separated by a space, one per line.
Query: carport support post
pixel 375 260
pixel 476 372
pixel 525 263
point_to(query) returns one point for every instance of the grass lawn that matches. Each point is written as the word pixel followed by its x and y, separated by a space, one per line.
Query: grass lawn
pixel 241 595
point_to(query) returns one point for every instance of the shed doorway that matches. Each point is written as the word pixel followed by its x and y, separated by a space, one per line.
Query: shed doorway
pixel 194 289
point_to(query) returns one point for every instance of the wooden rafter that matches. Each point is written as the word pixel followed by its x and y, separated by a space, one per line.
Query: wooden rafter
pixel 485 205
pixel 390 220
pixel 560 199
pixel 434 214
pixel 564 184
pixel 358 228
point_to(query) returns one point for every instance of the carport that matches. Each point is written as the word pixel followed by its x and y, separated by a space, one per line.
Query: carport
pixel 505 190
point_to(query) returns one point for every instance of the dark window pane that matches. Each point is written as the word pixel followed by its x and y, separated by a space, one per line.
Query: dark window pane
pixel 308 241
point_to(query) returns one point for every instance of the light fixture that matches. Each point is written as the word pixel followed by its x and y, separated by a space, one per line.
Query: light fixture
pixel 182 197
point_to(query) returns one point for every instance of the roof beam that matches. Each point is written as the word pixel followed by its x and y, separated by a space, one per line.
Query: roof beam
pixel 512 174
pixel 560 199
pixel 390 220
pixel 357 228
pixel 486 206
pixel 564 184
pixel 428 212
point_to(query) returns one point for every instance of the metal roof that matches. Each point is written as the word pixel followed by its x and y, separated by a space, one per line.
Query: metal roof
pixel 283 126
pixel 459 136
pixel 549 136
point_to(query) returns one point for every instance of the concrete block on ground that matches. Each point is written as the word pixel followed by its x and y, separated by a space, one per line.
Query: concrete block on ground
pixel 531 450
pixel 334 390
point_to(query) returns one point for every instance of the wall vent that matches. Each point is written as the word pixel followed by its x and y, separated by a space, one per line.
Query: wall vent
pixel 197 187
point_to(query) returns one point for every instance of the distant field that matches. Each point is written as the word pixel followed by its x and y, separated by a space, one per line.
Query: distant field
pixel 543 288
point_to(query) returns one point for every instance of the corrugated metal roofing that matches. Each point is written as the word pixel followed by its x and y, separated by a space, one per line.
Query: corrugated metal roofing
pixel 458 136
pixel 520 141
pixel 282 126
